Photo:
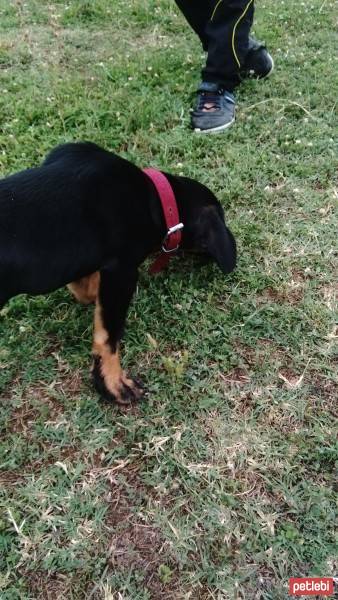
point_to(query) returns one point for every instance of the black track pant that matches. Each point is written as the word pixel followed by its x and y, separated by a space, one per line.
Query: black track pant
pixel 223 27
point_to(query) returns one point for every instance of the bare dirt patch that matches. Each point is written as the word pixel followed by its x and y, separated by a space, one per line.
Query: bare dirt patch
pixel 323 394
pixel 292 295
pixel 49 586
pixel 24 416
pixel 137 544
pixel 10 478
pixel 237 377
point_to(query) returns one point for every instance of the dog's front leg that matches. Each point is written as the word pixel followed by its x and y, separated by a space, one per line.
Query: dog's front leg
pixel 117 286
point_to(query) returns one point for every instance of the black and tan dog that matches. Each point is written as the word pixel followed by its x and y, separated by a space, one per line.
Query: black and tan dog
pixel 90 217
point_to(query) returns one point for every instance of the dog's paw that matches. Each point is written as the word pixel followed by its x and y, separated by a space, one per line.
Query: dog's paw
pixel 121 389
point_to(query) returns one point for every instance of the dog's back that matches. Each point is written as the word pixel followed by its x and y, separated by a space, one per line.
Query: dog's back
pixel 47 217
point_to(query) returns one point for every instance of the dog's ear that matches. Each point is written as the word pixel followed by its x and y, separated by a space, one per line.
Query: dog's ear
pixel 218 241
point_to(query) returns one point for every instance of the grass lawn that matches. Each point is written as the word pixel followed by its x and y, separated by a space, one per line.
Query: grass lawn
pixel 220 484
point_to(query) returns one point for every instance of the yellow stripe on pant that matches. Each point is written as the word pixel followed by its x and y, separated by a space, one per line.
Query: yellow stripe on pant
pixel 234 31
pixel 216 7
pixel 235 27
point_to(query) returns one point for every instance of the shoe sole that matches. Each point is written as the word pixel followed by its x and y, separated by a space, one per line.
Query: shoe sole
pixel 272 68
pixel 214 129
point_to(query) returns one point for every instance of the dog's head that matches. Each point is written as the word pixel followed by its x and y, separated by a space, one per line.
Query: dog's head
pixel 205 231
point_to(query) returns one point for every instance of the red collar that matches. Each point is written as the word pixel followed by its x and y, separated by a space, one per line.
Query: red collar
pixel 173 236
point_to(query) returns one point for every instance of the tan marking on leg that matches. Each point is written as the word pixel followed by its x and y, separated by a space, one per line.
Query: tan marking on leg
pixel 86 289
pixel 110 366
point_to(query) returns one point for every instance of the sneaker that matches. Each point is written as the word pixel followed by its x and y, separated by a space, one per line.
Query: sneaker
pixel 215 109
pixel 258 62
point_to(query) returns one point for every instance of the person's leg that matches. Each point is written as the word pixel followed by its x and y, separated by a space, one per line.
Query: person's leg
pixel 197 13
pixel 223 27
pixel 227 31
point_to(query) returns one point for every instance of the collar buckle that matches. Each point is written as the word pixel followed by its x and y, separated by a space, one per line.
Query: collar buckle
pixel 170 231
